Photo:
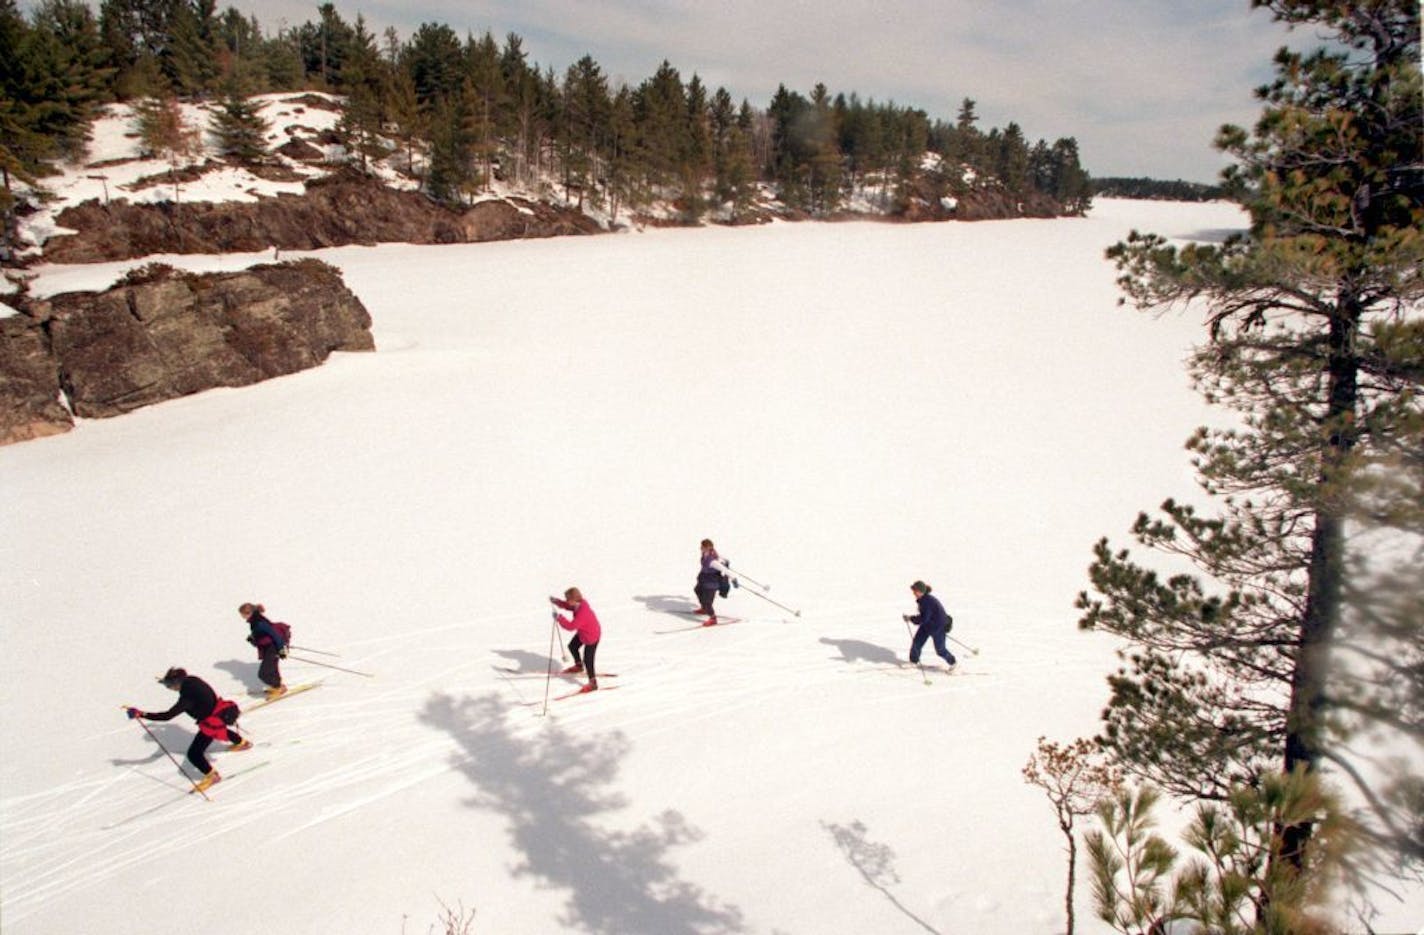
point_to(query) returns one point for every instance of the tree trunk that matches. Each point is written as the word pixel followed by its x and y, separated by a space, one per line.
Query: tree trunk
pixel 1306 712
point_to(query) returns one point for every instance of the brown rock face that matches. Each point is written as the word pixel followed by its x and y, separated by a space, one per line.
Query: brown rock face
pixel 335 211
pixel 163 334
pixel 29 383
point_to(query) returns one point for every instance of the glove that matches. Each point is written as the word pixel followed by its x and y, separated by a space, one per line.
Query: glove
pixel 252 640
pixel 554 614
pixel 132 713
pixel 905 617
pixel 282 653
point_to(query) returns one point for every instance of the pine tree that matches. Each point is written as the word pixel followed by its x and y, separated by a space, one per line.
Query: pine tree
pixel 451 152
pixel 239 127
pixel 1295 640
pixel 410 122
pixel 623 169
pixel 190 58
pixel 695 162
pixel 585 118
pixel 488 93
pixel 1237 883
pixel 820 137
pixel 363 109
pixel 660 108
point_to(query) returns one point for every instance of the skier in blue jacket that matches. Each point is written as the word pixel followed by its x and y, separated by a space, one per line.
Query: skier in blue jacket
pixel 932 623
pixel 271 648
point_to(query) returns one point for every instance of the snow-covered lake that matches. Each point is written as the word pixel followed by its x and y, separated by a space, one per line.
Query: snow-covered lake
pixel 843 408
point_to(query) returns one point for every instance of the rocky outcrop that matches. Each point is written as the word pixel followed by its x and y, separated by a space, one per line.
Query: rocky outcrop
pixel 162 334
pixel 29 383
pixel 342 209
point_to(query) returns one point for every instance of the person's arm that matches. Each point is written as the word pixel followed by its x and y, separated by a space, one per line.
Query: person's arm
pixel 168 715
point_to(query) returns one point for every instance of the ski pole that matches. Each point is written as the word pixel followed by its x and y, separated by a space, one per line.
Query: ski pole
pixel 369 675
pixel 966 646
pixel 154 738
pixel 563 653
pixel 770 601
pixel 549 676
pixel 319 652
pixel 743 575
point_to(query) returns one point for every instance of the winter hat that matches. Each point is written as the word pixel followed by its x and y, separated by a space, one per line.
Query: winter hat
pixel 173 676
pixel 921 587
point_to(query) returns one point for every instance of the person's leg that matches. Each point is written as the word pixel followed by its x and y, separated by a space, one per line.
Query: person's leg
pixel 588 653
pixel 705 597
pixel 574 645
pixel 917 644
pixel 267 671
pixel 941 649
pixel 197 751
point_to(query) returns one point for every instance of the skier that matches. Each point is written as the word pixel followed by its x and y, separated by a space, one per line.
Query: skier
pixel 271 647
pixel 587 633
pixel 711 581
pixel 215 717
pixel 932 623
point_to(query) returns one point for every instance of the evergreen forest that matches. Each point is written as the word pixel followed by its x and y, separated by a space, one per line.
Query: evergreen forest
pixel 463 112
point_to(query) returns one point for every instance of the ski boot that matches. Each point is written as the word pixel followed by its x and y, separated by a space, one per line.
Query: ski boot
pixel 208 781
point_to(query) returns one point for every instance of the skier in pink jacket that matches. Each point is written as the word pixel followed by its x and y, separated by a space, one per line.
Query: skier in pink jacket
pixel 587 633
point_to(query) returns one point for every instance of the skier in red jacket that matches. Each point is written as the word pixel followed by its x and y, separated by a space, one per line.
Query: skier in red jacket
pixel 215 717
pixel 587 633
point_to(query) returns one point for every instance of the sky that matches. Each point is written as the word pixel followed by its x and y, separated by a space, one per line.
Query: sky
pixel 1143 85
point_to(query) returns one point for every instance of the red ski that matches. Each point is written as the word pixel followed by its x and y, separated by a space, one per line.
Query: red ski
pixel 707 625
pixel 596 691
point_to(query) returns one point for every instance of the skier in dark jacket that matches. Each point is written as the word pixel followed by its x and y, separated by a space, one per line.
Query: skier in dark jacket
pixel 932 623
pixel 711 581
pixel 215 717
pixel 271 648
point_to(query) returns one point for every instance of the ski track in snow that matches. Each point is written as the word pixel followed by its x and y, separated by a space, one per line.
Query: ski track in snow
pixel 68 837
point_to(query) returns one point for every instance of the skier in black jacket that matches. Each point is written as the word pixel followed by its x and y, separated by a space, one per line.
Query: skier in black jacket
pixel 215 717
pixel 932 624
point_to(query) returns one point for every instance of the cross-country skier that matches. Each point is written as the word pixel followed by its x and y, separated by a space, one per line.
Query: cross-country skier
pixel 215 717
pixel 587 633
pixel 932 623
pixel 271 648
pixel 711 581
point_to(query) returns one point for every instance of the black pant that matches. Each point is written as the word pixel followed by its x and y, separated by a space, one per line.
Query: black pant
pixel 268 671
pixel 575 645
pixel 199 747
pixel 705 596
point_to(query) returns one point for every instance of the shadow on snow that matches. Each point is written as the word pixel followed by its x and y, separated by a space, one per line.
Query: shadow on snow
pixel 551 789
pixel 874 862
pixel 861 651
